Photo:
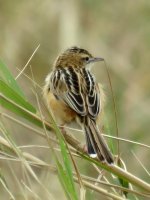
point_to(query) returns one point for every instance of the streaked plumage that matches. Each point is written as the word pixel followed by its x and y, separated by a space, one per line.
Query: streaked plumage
pixel 73 89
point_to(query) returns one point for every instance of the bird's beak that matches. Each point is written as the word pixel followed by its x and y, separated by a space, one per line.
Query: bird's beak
pixel 92 60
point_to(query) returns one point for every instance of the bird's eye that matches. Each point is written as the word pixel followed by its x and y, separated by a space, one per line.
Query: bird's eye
pixel 86 58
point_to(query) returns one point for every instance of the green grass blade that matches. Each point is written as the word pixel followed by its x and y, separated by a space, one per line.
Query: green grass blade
pixel 20 111
pixel 15 103
pixel 123 182
pixel 9 79
pixel 66 160
pixel 10 93
pixel 63 180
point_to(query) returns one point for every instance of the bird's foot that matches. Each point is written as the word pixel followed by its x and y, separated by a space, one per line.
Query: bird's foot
pixel 62 128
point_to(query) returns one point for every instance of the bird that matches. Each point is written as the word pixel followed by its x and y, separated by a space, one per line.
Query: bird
pixel 72 94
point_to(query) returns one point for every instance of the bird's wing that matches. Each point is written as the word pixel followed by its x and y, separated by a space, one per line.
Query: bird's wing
pixel 65 85
pixel 77 89
pixel 92 94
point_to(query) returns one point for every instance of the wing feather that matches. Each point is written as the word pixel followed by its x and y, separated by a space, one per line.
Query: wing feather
pixel 70 93
pixel 92 94
pixel 76 89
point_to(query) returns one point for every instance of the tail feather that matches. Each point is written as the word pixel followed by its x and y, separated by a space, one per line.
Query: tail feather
pixel 96 143
pixel 92 145
pixel 88 141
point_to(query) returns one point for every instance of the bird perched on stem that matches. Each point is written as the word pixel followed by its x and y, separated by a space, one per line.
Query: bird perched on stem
pixel 73 94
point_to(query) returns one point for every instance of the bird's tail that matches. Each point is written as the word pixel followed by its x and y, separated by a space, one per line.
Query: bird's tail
pixel 95 142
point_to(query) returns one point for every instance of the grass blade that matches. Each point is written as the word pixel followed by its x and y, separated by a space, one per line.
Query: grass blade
pixel 66 161
pixel 9 79
pixel 6 90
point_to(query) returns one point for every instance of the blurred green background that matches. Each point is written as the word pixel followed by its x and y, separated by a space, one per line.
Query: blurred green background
pixel 119 31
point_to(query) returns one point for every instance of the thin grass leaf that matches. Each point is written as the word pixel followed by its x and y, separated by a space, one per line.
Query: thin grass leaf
pixel 9 79
pixel 82 189
pixel 27 168
pixel 27 62
pixel 20 111
pixel 2 178
pixel 142 165
pixel 65 157
pixel 10 93
pixel 68 167
pixel 61 172
pixel 123 182
pixel 114 107
pixel 3 183
pixel 119 172
pixel 30 190
pixel 63 180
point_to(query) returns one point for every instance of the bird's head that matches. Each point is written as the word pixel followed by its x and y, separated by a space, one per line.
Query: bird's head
pixel 76 57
